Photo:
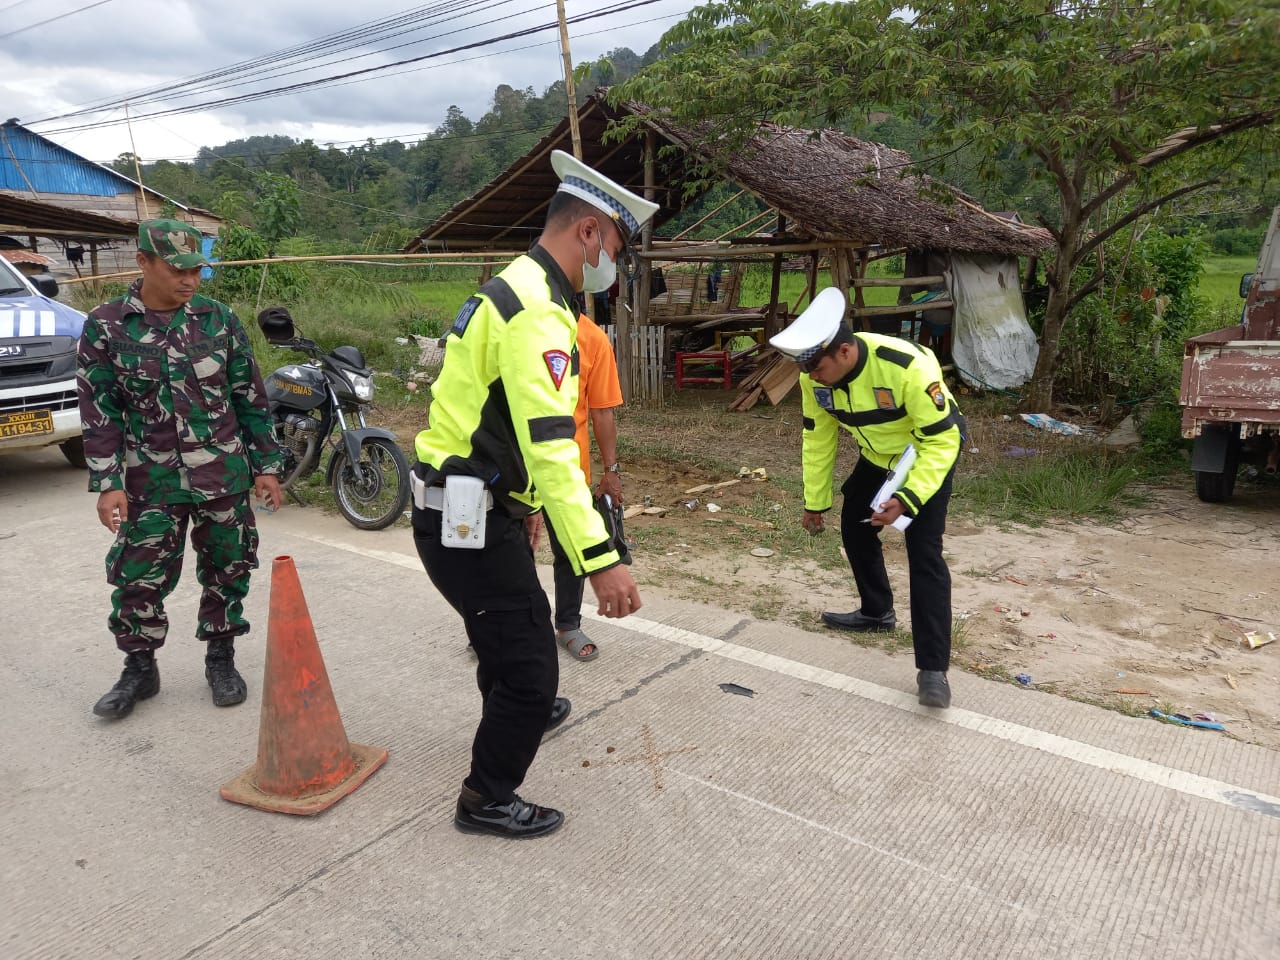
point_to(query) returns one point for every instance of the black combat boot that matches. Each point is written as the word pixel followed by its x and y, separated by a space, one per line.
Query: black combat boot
pixel 220 670
pixel 140 680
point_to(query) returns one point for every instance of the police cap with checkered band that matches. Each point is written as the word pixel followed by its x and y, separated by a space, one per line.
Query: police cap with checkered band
pixel 628 211
pixel 820 327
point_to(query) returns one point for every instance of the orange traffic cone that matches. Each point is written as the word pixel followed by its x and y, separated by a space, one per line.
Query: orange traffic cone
pixel 305 764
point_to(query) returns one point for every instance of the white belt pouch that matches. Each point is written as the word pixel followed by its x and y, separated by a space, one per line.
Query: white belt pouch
pixel 466 503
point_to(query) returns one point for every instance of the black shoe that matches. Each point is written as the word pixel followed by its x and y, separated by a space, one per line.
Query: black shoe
pixel 140 680
pixel 859 621
pixel 560 708
pixel 515 819
pixel 220 670
pixel 934 689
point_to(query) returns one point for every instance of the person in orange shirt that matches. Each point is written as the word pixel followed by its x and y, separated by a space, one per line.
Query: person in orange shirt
pixel 599 392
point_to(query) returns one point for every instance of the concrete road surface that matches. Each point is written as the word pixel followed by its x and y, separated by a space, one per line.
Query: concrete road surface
pixel 826 815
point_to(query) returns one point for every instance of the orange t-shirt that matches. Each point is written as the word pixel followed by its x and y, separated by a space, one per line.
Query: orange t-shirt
pixel 598 386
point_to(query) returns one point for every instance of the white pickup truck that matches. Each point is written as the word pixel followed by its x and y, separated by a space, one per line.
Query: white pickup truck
pixel 38 337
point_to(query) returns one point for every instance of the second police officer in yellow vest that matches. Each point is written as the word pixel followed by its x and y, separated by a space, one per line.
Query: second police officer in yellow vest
pixel 890 395
pixel 500 449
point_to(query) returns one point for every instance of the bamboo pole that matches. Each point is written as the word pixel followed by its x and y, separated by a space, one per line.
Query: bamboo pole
pixel 695 226
pixel 897 282
pixel 355 259
pixel 717 251
pixel 889 311
pixel 570 94
pixel 137 166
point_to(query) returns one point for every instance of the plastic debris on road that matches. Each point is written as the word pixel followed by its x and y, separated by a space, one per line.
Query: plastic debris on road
pixel 1185 721
pixel 738 689
pixel 1024 679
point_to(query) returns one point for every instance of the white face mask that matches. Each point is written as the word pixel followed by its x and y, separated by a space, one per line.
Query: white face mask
pixel 599 278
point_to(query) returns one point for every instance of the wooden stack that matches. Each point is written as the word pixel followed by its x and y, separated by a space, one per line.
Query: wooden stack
pixel 773 379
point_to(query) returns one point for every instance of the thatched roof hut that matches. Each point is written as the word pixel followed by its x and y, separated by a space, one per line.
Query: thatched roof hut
pixel 834 199
pixel 833 187
pixel 828 186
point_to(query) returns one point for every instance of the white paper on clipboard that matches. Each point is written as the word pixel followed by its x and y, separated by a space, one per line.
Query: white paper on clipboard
pixel 893 483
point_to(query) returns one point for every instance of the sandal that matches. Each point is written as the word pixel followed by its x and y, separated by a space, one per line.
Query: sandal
pixel 574 641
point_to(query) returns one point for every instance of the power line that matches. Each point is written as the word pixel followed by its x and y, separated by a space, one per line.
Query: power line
pixel 336 44
pixel 61 16
pixel 266 73
pixel 361 73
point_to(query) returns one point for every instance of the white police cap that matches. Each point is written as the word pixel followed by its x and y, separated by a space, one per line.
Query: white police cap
pixel 629 211
pixel 815 329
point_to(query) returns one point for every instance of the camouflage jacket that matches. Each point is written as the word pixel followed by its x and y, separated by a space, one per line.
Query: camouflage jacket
pixel 172 412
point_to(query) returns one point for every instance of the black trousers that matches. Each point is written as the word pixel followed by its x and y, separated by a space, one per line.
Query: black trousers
pixel 508 621
pixel 568 586
pixel 930 579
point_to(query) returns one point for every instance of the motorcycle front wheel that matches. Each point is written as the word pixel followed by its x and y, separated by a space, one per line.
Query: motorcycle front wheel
pixel 373 492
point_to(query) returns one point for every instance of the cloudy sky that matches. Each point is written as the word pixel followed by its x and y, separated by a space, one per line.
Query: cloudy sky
pixel 61 56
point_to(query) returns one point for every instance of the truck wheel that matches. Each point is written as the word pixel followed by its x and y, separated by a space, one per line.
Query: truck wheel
pixel 1215 486
pixel 73 450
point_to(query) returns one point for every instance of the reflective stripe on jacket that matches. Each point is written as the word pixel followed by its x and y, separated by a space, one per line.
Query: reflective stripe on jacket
pixel 894 396
pixel 502 408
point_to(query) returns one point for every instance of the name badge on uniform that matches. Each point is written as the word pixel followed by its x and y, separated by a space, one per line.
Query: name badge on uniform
pixel 823 396
pixel 464 316
pixel 884 398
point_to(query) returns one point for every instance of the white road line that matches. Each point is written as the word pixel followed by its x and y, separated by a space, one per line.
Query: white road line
pixel 1180 781
pixel 849 838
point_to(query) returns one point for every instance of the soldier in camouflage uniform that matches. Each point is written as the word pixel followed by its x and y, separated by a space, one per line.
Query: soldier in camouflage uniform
pixel 176 432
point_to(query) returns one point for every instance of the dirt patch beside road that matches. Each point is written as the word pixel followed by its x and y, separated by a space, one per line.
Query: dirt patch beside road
pixel 1156 602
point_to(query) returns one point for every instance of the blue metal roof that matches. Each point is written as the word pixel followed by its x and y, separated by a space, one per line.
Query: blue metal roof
pixel 28 160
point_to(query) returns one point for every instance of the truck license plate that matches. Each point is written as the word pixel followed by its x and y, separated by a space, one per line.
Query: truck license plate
pixel 25 423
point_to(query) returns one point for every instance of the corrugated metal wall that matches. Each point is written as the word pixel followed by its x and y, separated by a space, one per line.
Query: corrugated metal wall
pixel 51 169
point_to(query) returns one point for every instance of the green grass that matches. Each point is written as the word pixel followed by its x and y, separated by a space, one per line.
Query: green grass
pixel 1220 283
pixel 1037 489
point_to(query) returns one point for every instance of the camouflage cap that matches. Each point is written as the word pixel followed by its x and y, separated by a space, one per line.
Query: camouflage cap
pixel 174 242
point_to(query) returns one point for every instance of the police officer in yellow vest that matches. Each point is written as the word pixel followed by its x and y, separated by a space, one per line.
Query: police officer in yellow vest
pixel 500 450
pixel 890 395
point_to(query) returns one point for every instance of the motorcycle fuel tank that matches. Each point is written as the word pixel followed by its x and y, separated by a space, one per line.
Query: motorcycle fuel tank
pixel 298 387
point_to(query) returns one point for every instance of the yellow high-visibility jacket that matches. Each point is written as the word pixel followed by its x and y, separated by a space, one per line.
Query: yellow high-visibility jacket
pixel 894 396
pixel 502 407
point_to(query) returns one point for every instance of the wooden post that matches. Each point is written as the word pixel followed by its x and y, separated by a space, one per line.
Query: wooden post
pixel 858 269
pixel 486 271
pixel 93 266
pixel 839 271
pixel 629 322
pixel 772 323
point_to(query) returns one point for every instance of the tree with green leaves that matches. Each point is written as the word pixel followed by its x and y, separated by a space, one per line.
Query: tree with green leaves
pixel 1123 105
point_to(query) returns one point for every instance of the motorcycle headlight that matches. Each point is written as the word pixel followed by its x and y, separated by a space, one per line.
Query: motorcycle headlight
pixel 361 386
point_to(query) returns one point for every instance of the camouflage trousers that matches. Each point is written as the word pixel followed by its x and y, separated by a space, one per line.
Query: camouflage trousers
pixel 145 562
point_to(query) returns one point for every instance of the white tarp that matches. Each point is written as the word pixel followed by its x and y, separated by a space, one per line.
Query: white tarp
pixel 992 343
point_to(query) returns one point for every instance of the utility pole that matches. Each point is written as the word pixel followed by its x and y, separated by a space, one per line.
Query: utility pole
pixel 137 166
pixel 574 133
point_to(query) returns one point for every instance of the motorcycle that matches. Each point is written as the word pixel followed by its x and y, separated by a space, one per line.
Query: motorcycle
pixel 310 405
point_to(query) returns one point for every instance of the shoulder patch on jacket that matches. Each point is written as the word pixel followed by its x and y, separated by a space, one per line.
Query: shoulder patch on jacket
pixel 558 364
pixel 464 316
pixel 935 394
pixel 502 296
pixel 900 357
pixel 823 396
